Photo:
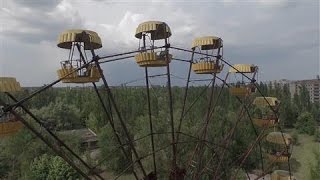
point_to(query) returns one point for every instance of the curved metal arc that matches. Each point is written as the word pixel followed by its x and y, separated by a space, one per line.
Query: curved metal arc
pixel 149 154
pixel 255 131
pixel 147 135
pixel 258 139
pixel 115 59
pixel 253 128
pixel 130 52
pixel 221 59
pixel 275 113
pixel 193 103
pixel 244 156
pixel 210 113
pixel 269 168
pixel 95 58
pixel 67 75
pixel 229 137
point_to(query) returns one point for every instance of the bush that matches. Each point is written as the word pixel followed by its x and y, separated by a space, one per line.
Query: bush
pixel 51 168
pixel 306 123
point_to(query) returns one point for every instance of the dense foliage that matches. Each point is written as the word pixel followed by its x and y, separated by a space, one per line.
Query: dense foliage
pixel 306 123
pixel 73 108
pixel 51 168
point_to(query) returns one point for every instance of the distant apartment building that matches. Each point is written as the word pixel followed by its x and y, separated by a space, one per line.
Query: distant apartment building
pixel 312 86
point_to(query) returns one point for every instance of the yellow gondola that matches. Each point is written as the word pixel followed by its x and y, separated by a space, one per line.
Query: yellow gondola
pixel 9 125
pixel 266 101
pixel 206 68
pixel 155 31
pixel 9 84
pixel 207 64
pixel 268 119
pixel 281 175
pixel 242 89
pixel 279 142
pixel 265 122
pixel 85 40
pixel 279 158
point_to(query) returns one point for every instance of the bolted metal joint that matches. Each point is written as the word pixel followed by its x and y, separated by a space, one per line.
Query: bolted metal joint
pixel 96 58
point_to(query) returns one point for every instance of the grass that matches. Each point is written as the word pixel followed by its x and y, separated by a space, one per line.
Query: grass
pixel 303 155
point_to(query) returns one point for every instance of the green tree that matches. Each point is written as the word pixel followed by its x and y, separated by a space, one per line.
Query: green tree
pixel 305 99
pixel 71 108
pixel 17 159
pixel 60 170
pixel 60 116
pixel 51 168
pixel 306 123
pixel 39 169
pixel 288 113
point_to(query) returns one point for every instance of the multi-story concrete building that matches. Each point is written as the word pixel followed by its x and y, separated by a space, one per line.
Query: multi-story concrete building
pixel 312 86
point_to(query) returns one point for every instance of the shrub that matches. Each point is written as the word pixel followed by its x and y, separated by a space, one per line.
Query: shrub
pixel 306 123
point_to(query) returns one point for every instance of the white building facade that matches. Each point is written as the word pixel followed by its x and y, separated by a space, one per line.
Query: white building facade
pixel 312 86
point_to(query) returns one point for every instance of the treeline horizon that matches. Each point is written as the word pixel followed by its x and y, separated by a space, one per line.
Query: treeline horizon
pixel 69 108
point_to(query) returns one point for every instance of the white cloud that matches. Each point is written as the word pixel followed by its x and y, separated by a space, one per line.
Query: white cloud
pixel 267 33
pixel 33 25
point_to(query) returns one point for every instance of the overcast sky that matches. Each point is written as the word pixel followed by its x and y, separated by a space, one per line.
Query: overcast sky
pixel 280 36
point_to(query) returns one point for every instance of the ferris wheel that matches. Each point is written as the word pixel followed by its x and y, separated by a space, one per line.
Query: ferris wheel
pixel 207 156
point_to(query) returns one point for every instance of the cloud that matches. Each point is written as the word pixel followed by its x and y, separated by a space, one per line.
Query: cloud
pixel 32 23
pixel 276 35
